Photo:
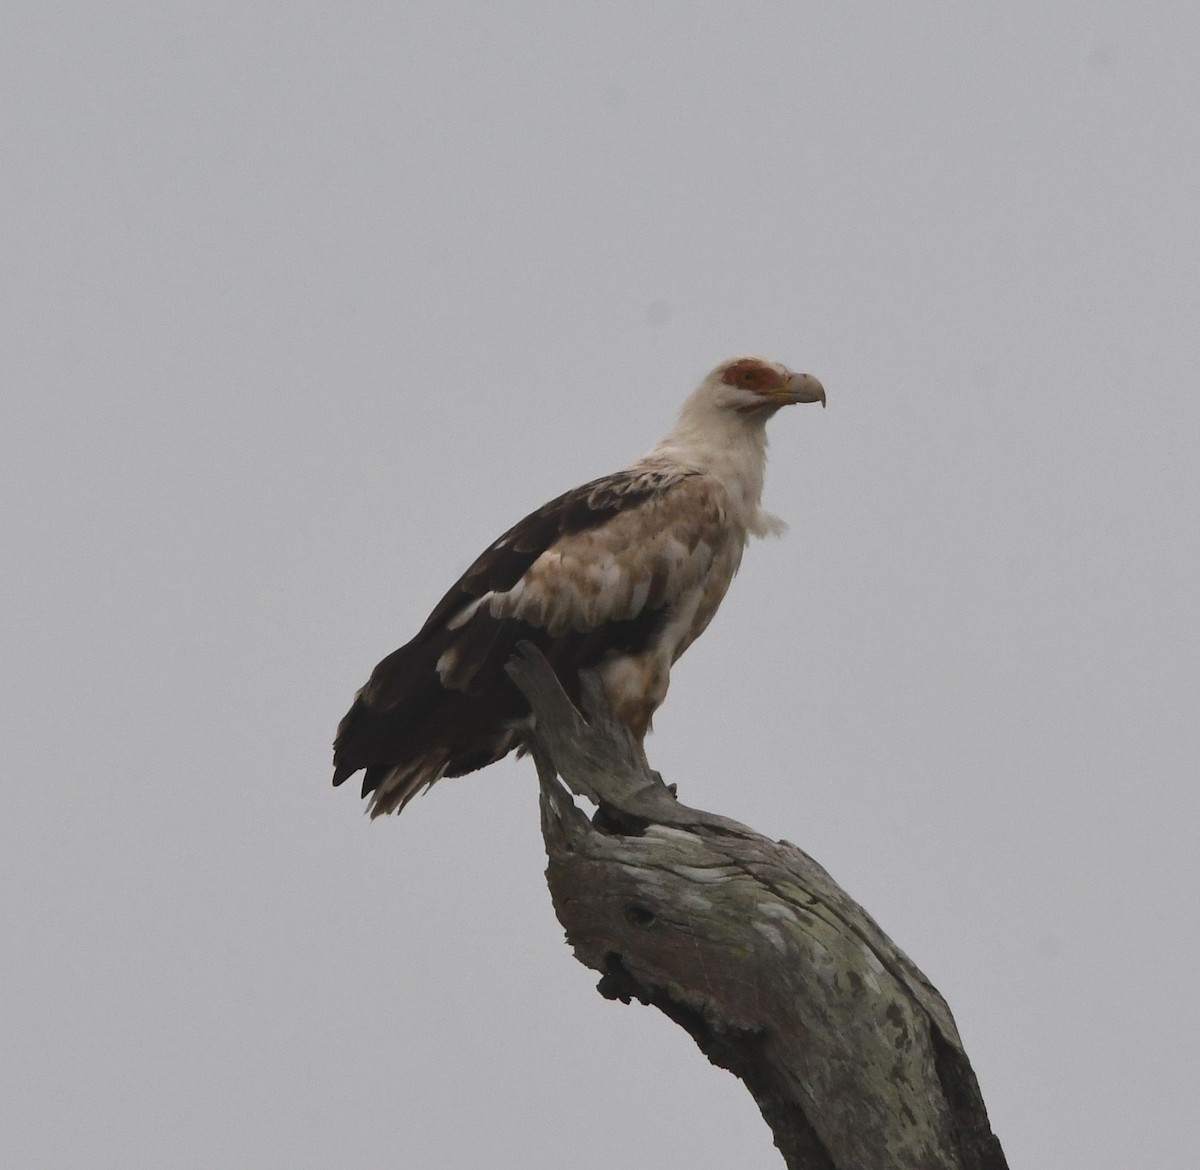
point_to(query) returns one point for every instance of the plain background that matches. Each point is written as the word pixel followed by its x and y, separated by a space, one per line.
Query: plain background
pixel 304 304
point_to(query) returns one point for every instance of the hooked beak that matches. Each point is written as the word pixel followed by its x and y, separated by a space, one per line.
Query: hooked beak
pixel 802 388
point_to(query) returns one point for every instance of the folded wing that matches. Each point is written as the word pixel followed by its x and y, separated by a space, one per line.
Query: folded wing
pixel 593 574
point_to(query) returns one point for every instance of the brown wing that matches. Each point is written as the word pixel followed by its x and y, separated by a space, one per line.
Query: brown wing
pixel 444 696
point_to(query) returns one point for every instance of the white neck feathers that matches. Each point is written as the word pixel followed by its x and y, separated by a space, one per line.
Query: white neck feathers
pixel 729 446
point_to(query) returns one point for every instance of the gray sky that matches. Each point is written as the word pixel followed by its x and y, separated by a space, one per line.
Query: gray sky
pixel 303 306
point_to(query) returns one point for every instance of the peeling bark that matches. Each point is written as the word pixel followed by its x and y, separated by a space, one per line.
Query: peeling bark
pixel 748 944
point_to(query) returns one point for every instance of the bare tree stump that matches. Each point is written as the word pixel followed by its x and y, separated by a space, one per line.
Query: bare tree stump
pixel 747 943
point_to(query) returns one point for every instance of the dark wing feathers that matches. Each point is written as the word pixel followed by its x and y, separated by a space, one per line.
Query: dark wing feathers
pixel 405 710
pixel 505 562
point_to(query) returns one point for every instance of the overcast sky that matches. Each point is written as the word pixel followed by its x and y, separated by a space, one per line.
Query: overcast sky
pixel 304 305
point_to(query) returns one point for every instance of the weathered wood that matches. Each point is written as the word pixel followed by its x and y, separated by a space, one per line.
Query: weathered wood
pixel 747 943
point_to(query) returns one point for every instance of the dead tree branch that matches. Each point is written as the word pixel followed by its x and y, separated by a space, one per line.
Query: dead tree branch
pixel 747 943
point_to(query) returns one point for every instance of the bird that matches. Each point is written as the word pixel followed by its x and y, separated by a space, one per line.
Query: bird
pixel 618 576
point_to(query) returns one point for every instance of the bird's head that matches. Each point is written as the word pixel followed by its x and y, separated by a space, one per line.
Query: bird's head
pixel 756 387
pixel 731 407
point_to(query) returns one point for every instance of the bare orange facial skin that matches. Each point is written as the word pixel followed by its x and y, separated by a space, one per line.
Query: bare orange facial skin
pixel 751 374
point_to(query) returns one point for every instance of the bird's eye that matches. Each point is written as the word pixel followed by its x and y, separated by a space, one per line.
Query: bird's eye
pixel 749 375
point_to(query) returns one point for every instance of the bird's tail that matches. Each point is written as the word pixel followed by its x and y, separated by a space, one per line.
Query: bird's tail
pixel 391 787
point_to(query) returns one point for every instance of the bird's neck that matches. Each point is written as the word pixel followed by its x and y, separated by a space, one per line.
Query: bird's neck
pixel 731 448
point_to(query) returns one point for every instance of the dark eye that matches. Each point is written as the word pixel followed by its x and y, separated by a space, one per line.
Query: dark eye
pixel 748 378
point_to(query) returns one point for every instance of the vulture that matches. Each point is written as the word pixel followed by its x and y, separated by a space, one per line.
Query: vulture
pixel 619 576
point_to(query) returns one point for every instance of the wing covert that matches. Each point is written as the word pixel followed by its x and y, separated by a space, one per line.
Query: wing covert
pixel 644 556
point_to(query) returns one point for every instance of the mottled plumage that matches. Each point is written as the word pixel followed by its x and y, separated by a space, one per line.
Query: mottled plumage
pixel 621 575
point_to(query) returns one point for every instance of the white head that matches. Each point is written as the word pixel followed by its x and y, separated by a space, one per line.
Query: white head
pixel 756 388
pixel 740 395
pixel 722 425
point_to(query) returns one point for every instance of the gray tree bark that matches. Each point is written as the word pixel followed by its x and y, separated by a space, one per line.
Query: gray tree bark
pixel 747 943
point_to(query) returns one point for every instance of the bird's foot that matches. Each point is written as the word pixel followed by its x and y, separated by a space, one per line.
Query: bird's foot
pixel 671 788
